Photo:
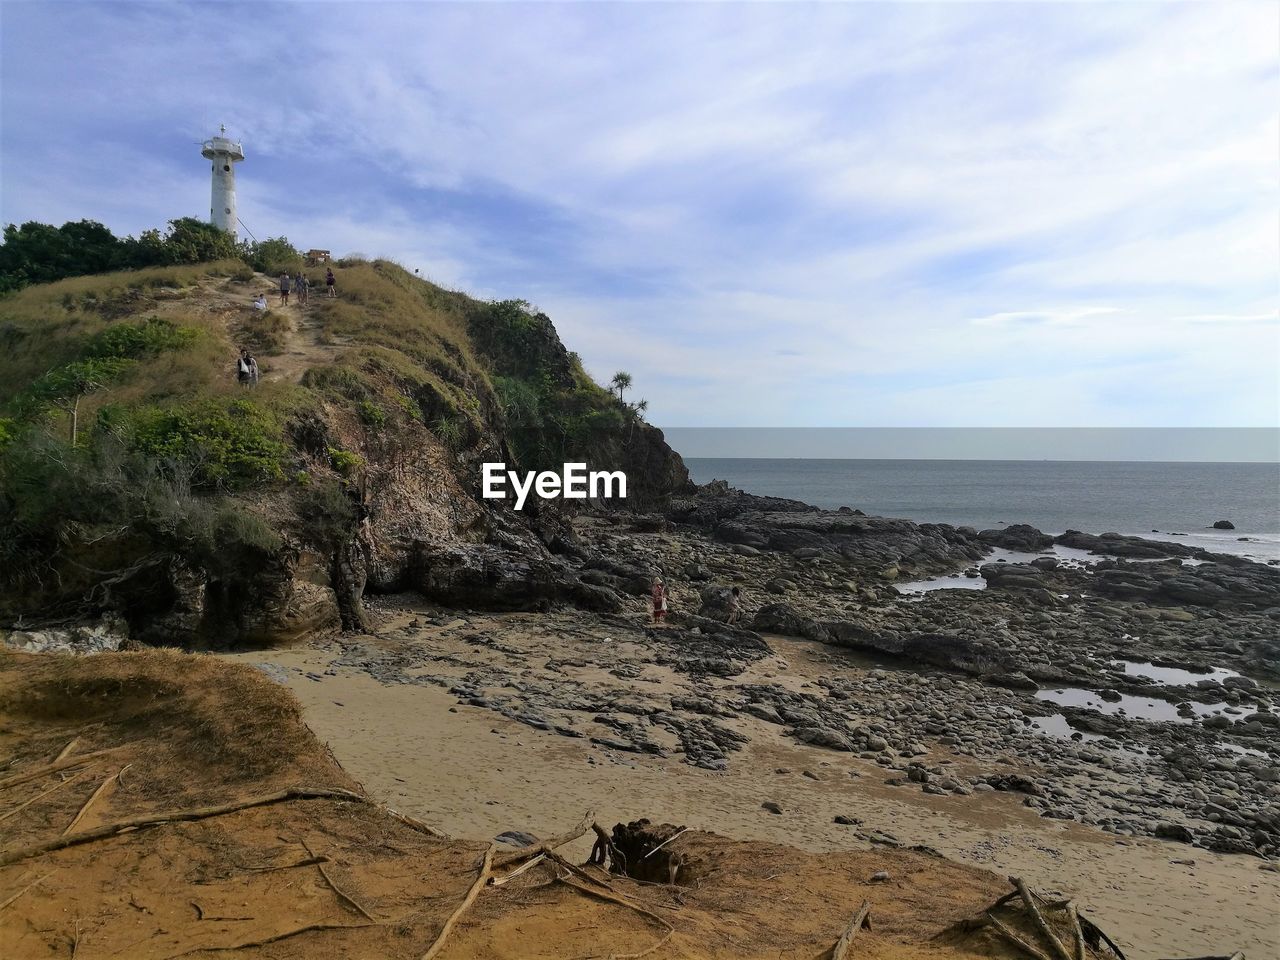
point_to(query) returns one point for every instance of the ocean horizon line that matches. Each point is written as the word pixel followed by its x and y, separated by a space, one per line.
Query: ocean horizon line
pixel 1260 463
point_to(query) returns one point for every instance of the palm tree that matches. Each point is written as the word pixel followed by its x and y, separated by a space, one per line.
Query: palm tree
pixel 633 414
pixel 621 381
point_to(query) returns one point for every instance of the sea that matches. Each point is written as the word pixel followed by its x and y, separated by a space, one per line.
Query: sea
pixel 1173 501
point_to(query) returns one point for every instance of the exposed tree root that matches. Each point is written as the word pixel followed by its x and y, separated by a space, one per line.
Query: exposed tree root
pixel 93 797
pixel 272 939
pixel 59 765
pixel 342 894
pixel 40 796
pixel 176 816
pixel 486 867
pixel 622 902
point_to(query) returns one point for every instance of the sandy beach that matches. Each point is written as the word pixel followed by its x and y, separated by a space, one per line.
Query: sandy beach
pixel 475 773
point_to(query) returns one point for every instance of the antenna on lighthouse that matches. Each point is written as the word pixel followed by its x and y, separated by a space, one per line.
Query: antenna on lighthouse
pixel 224 154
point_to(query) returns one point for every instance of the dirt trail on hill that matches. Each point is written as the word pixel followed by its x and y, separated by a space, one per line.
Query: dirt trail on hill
pixel 305 344
pixel 91 742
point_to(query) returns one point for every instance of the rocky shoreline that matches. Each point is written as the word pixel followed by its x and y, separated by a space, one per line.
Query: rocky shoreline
pixel 1033 683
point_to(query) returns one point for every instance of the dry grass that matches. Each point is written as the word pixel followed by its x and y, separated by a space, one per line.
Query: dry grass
pixel 43 327
pixel 380 304
pixel 187 706
pixel 263 332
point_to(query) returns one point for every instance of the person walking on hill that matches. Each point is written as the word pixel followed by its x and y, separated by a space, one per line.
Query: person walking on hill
pixel 284 289
pixel 246 369
pixel 301 287
pixel 659 600
pixel 329 282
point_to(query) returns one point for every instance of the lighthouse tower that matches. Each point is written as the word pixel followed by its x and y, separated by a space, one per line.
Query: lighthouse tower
pixel 225 154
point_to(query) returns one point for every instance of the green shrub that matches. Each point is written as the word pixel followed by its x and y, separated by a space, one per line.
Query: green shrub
pixel 449 432
pixel 235 445
pixel 519 400
pixel 327 513
pixel 411 409
pixel 134 340
pixel 273 256
pixel 344 461
pixel 372 415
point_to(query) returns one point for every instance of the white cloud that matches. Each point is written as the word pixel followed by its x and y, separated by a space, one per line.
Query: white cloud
pixel 828 213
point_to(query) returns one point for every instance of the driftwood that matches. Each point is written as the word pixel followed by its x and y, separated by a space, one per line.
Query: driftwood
pixel 1083 930
pixel 861 919
pixel 486 867
pixel 495 881
pixel 59 765
pixel 176 816
pixel 1042 925
pixel 40 796
pixel 1016 940
pixel 1076 930
pixel 507 859
pixel 577 871
pixel 93 797
pixel 66 751
pixel 603 850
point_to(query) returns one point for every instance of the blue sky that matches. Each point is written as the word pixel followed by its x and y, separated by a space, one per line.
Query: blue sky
pixel 770 214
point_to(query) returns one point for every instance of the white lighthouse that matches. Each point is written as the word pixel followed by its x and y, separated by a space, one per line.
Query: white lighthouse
pixel 224 154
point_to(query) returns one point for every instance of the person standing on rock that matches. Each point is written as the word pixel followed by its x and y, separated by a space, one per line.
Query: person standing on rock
pixel 735 605
pixel 284 289
pixel 659 600
pixel 329 282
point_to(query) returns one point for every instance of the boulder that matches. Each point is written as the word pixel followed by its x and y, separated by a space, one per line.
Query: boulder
pixel 715 603
pixel 1019 536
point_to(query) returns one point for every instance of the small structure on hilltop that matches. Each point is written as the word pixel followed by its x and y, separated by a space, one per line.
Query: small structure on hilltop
pixel 317 256
pixel 225 153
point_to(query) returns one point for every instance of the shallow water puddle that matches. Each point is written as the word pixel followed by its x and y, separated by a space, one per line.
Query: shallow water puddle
pixel 1138 708
pixel 1171 676
pixel 1066 556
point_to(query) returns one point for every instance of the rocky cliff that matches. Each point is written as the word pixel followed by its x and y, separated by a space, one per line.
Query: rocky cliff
pixel 143 485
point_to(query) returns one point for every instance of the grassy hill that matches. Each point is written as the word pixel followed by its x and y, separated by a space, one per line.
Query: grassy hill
pixel 140 478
